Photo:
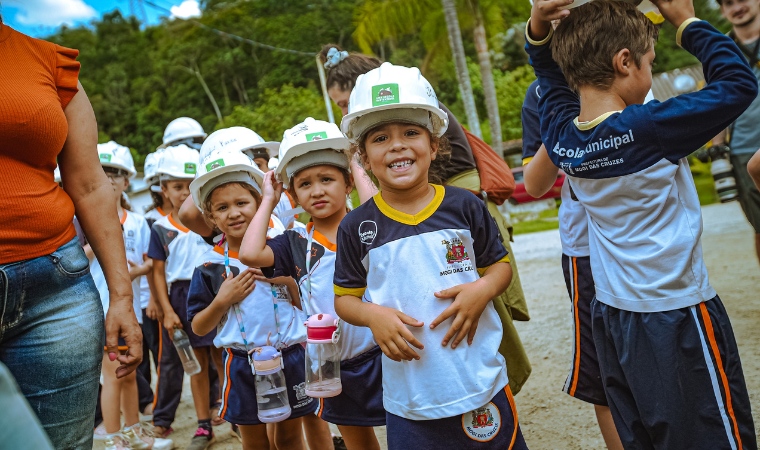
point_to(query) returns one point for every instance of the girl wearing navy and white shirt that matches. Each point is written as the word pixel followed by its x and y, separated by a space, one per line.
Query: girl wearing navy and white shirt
pixel 314 168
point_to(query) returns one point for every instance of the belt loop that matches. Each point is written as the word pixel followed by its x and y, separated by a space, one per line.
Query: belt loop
pixel 4 279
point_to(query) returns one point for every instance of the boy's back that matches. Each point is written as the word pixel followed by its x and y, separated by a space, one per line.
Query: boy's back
pixel 626 168
pixel 668 358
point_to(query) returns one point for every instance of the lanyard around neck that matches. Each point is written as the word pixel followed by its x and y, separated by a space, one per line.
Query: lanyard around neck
pixel 307 281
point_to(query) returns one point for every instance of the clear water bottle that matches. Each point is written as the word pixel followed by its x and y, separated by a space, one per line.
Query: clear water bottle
pixel 186 353
pixel 271 390
pixel 322 357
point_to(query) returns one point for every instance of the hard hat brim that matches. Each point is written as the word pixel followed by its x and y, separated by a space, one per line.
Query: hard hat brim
pixel 197 184
pixel 349 120
pixel 337 143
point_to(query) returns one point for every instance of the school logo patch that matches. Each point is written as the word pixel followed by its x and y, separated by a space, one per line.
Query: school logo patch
pixel 455 251
pixel 385 94
pixel 482 424
pixel 316 136
pixel 367 231
pixel 214 165
pixel 190 168
pixel 105 157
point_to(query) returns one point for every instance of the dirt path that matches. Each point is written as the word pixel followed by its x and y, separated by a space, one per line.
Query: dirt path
pixel 551 419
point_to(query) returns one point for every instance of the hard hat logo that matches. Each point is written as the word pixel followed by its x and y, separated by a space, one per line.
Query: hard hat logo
pixel 385 94
pixel 190 168
pixel 214 165
pixel 105 157
pixel 316 136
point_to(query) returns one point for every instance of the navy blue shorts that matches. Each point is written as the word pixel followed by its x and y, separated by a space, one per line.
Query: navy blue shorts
pixel 674 379
pixel 584 381
pixel 178 300
pixel 239 391
pixel 494 426
pixel 360 404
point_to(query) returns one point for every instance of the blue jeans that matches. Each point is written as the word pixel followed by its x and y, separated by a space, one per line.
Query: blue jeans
pixel 51 339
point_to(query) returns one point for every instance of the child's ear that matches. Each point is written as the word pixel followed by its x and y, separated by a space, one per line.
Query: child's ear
pixel 435 144
pixel 350 185
pixel 622 62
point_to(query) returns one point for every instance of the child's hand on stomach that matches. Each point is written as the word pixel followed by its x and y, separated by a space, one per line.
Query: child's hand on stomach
pixel 470 300
pixel 235 288
pixel 389 327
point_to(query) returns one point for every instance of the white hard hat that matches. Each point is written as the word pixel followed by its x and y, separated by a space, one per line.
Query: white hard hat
pixel 150 166
pixel 273 163
pixel 57 174
pixel 645 6
pixel 179 162
pixel 116 156
pixel 222 166
pixel 183 128
pixel 393 94
pixel 311 143
pixel 240 139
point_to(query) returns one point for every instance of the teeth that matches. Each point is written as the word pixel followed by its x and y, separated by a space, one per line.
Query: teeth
pixel 400 164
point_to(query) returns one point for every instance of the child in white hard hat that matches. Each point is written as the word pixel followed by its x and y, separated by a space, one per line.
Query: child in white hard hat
pixel 175 250
pixel 245 311
pixel 314 167
pixel 437 393
pixel 119 395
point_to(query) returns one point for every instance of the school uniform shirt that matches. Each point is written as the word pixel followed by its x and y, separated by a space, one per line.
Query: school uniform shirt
pixel 573 221
pixel 283 210
pixel 628 170
pixel 136 239
pixel 316 287
pixel 153 215
pixel 267 312
pixel 178 246
pixel 399 261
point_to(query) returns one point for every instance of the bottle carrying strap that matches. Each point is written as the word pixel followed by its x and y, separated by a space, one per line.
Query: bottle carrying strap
pixel 236 306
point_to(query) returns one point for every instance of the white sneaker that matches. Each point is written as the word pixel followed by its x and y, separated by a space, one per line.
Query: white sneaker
pixel 140 437
pixel 116 441
pixel 100 432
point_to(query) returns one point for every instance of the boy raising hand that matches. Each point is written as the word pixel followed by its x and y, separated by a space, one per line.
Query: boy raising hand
pixel 667 354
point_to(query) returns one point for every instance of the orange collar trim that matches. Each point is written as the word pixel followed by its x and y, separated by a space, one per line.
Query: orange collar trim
pixel 220 250
pixel 319 237
pixel 179 226
pixel 123 218
pixel 161 211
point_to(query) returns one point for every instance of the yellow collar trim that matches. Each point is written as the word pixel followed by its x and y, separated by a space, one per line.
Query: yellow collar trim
pixel 411 219
pixel 584 126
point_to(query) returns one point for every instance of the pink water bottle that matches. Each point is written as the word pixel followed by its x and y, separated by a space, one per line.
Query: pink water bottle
pixel 322 356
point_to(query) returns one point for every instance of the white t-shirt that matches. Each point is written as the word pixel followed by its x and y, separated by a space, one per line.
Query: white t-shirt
pixel 178 246
pixel 290 260
pixel 136 238
pixel 284 210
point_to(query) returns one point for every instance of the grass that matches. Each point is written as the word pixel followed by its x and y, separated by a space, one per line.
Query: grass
pixel 546 220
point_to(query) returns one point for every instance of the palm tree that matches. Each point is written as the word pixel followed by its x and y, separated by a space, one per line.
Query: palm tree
pixel 381 20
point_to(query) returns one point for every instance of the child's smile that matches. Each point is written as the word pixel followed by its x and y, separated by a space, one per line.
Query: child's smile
pixel 399 154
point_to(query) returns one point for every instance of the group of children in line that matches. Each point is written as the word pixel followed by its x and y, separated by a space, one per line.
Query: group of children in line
pixel 413 270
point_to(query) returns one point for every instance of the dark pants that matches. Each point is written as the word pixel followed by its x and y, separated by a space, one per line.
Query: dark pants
pixel 170 372
pixel 150 347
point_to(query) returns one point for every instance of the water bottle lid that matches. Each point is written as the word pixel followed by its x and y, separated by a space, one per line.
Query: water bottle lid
pixel 266 360
pixel 320 328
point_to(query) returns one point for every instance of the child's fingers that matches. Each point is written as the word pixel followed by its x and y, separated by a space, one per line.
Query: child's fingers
pixel 464 330
pixel 456 326
pixel 391 351
pixel 444 315
pixel 408 337
pixel 408 320
pixel 406 352
pixel 471 333
pixel 451 292
pixel 256 271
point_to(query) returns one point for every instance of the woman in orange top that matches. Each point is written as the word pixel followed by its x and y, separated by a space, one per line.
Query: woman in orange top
pixel 51 323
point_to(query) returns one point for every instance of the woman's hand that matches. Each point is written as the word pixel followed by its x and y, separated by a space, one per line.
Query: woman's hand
pixel 122 322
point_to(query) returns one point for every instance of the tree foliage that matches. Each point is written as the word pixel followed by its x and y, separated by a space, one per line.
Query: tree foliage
pixel 140 78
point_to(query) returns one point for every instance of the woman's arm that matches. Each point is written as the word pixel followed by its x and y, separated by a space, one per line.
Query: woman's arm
pixel 92 194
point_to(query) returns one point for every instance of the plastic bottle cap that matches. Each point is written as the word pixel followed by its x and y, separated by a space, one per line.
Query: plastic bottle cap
pixel 320 328
pixel 266 360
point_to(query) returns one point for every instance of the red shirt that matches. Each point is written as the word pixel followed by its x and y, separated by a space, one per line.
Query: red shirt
pixel 37 81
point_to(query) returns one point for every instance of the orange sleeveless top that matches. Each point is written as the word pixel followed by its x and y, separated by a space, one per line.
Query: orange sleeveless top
pixel 37 81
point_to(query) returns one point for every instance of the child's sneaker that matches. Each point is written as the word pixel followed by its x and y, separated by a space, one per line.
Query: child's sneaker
pixel 201 440
pixel 100 432
pixel 141 437
pixel 116 441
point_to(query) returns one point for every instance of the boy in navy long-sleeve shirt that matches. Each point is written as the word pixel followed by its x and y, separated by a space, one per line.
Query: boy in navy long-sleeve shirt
pixel 667 353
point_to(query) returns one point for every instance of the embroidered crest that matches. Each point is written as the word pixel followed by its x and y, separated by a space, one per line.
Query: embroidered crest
pixel 482 424
pixel 455 251
pixel 300 391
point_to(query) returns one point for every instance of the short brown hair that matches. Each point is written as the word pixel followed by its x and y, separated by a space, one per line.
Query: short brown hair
pixel 585 42
pixel 345 73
